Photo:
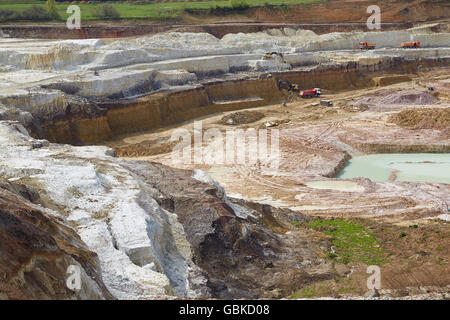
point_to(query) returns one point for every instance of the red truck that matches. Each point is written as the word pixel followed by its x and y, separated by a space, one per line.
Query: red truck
pixel 367 46
pixel 310 93
pixel 415 44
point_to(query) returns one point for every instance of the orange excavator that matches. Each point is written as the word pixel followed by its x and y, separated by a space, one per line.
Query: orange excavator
pixel 414 44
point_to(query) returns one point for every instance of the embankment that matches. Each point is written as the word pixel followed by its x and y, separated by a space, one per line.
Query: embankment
pixel 60 31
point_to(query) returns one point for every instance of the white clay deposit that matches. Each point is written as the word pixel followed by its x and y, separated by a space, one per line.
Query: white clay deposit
pixel 107 206
pixel 142 248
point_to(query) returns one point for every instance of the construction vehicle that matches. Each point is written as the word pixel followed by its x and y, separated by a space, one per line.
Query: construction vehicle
pixel 414 44
pixel 315 92
pixel 367 46
pixel 288 86
pixel 270 55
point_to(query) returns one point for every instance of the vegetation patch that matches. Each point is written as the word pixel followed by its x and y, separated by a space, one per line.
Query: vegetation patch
pixel 106 11
pixel 351 241
pixel 141 9
pixel 33 13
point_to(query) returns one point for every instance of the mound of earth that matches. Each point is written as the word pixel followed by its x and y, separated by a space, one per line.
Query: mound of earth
pixel 242 117
pixel 146 148
pixel 424 118
pixel 408 97
pixel 402 97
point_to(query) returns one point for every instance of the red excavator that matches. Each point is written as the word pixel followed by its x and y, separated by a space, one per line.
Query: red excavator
pixel 367 46
pixel 414 44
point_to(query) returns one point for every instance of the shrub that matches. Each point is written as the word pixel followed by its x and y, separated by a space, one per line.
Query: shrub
pixel 34 13
pixel 8 15
pixel 239 4
pixel 51 7
pixel 106 11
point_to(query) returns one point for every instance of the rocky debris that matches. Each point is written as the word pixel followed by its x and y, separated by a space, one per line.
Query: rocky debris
pixel 242 117
pixel 245 250
pixel 37 248
pixel 146 148
pixel 427 118
pixel 274 62
pixel 125 227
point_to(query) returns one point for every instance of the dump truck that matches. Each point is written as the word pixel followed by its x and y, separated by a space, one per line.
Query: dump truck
pixel 315 92
pixel 414 44
pixel 367 46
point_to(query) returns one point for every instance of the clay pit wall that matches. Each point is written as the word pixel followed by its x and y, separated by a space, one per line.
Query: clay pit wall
pixel 60 31
pixel 123 116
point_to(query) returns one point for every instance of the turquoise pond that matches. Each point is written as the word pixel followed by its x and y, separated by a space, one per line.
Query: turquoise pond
pixel 412 167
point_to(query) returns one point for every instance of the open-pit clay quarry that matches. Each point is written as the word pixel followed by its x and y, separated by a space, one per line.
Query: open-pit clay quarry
pixel 88 176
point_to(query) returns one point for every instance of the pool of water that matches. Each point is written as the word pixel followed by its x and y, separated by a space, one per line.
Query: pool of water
pixel 412 167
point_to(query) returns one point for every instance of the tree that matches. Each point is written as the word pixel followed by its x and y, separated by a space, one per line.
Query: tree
pixel 52 10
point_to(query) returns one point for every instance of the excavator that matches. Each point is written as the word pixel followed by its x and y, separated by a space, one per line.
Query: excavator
pixel 288 86
pixel 270 55
pixel 293 87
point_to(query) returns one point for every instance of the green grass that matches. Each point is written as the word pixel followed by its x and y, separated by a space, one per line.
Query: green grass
pixel 155 11
pixel 351 241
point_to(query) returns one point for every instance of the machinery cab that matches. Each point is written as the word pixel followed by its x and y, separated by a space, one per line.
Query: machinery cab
pixel 270 55
pixel 366 45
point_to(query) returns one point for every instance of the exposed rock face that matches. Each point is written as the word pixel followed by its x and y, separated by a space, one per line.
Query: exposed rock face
pixel 246 250
pixel 102 201
pixel 157 231
pixel 87 91
pixel 36 249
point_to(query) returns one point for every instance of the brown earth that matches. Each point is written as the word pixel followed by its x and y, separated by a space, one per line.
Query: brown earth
pixel 36 250
pixel 326 17
pixel 258 256
pixel 417 262
pixel 428 118
pixel 336 11
pixel 241 117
